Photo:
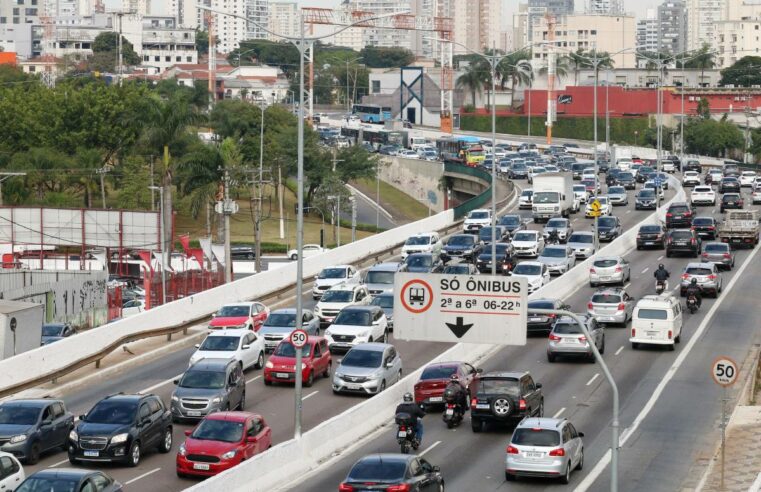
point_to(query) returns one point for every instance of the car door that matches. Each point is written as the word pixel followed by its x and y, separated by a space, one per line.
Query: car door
pixel 236 385
pixel 576 444
pixel 146 426
pixel 250 354
pixel 263 434
pixel 307 322
pixel 258 315
pixel 545 274
pixel 571 257
pixel 60 425
pixel 468 373
pixel 325 358
pixel 251 446
pixel 530 393
pixel 423 474
pixel 10 474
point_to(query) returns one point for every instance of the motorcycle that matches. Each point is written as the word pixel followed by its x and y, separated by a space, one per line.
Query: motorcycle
pixel 692 304
pixel 660 286
pixel 453 414
pixel 552 238
pixel 405 432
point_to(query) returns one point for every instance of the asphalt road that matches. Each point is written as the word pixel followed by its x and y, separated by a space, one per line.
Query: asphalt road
pixel 157 472
pixel 661 452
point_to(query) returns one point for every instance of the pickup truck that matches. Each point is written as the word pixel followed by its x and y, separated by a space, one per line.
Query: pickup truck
pixel 740 228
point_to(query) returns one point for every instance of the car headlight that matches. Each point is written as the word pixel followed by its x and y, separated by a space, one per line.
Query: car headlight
pixel 303 365
pixel 217 400
pixel 174 398
pixel 211 327
pixel 317 309
pixel 328 333
pixel 229 455
pixel 269 365
pixel 119 438
pixel 467 251
pixel 362 334
pixel 18 438
pixel 556 208
pixel 183 450
pixel 73 435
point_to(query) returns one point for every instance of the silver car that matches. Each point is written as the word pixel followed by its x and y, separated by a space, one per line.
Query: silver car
pixel 281 322
pixel 612 305
pixel 708 277
pixel 561 226
pixel 582 243
pixel 720 254
pixel 618 195
pixel 558 258
pixel 609 270
pixel 566 338
pixel 544 447
pixel 368 369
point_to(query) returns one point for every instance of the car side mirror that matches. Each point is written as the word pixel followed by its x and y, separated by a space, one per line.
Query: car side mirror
pixel 479 371
pixel 176 382
pixel 538 385
pixel 47 421
pixel 252 439
pixel 436 469
pixel 188 432
pixel 198 345
pixel 581 434
pixel 376 322
pixel 82 417
pixel 246 347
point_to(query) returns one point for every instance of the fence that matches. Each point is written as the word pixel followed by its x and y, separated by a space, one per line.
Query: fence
pixel 114 302
pixel 179 284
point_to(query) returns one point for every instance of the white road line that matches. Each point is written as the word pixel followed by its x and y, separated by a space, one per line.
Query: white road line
pixel 557 414
pixel 646 269
pixel 619 350
pixel 253 379
pixel 429 448
pixel 660 258
pixel 601 465
pixel 310 394
pixel 628 211
pixel 627 285
pixel 597 375
pixel 675 288
pixel 59 463
pixel 756 487
pixel 142 476
pixel 159 385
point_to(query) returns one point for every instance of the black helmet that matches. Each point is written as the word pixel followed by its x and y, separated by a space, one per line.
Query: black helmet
pixel 407 398
pixel 661 267
pixel 454 378
pixel 694 281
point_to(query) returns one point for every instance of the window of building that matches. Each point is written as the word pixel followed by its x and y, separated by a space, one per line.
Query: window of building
pixel 16 11
pixel 376 87
pixel 593 32
pixel 16 20
pixel 146 58
pixel 168 58
pixel 157 58
pixel 3 20
pixel 179 59
pixel 32 68
pixel 30 11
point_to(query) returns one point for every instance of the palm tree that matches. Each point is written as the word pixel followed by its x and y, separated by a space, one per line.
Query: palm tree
pixel 472 80
pixel 562 67
pixel 577 60
pixel 702 59
pixel 517 69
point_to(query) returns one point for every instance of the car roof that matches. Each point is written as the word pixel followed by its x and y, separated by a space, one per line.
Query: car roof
pixel 445 364
pixel 361 308
pixel 345 286
pixel 372 346
pixel 126 397
pixel 656 300
pixel 605 258
pixel 699 264
pixel 235 332
pixel 583 233
pixel 389 266
pixel 381 457
pixel 68 473
pixel 503 374
pixel 612 290
pixel 283 311
pixel 545 299
pixel 337 266
pixel 247 303
pixel 31 402
pixel 541 423
pixel 211 364
pixel 232 416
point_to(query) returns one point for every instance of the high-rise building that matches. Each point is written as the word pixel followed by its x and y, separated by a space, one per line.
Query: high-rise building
pixel 647 32
pixel 672 27
pixel 702 17
pixel 258 12
pixel 734 39
pixel 284 19
pixel 230 31
pixel 555 7
pixel 605 7
pixel 357 38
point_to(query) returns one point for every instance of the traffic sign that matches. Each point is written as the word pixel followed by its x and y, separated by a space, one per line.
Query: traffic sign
pixel 299 338
pixel 595 209
pixel 724 371
pixel 460 308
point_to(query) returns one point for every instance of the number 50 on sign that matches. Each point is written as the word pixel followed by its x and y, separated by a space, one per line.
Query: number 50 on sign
pixel 724 371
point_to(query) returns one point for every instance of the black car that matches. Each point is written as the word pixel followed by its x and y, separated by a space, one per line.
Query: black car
pixel 611 179
pixel 577 169
pixel 731 200
pixel 729 185
pixel 422 263
pixel 651 236
pixel 70 480
pixel 692 165
pixel 462 246
pixel 608 228
pixel 242 252
pixel 643 173
pixel 389 471
pixel 483 262
pixel 517 170
pixel 683 241
pixel 627 180
pixel 645 199
pixel 119 428
pixel 504 397
pixel 31 427
pixel 731 168
pixel 512 222
pixel 705 227
pixel 485 234
pixel 53 332
pixel 542 323
pixel 679 214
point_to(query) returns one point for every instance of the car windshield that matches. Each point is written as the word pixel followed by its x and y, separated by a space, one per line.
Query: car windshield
pixel 650 228
pixel 338 296
pixel 49 484
pixel 524 236
pixel 286 349
pixel 652 314
pixel 438 372
pixel 698 271
pixel 378 278
pixel 224 344
pixel 18 415
pixel 606 298
pixel 500 386
pixel 203 379
pixel 625 175
pixel 730 197
pixel 717 248
pixel 376 470
pixel 486 232
pixel 581 238
pixel 420 261
pixel 535 437
pixel 233 311
pixel 605 263
pixel 333 273
pixel 614 190
pixel 702 189
pixel 681 234
pixel 541 305
pixel 554 253
pixel 386 302
pixel 702 221
pixel 113 412
pixel 285 320
pixel 527 193
pixel 479 215
pixel 52 330
pixel 526 269
pixel 462 240
pixel 353 317
pixel 606 221
pixel 546 197
pixel 677 209
pixel 646 193
pixel 218 430
pixel 556 223
pixel 566 328
pixel 510 220
pixel 580 188
pixel 456 270
pixel 362 358
pixel 418 241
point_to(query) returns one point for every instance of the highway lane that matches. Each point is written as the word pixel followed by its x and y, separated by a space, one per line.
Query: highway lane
pixel 577 390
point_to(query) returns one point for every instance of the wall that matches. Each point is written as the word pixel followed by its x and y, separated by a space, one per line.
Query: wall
pixel 419 179
pixel 28 320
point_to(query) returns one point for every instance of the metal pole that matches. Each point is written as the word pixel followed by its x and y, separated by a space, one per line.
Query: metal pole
pixel 280 200
pixel 494 60
pixel 658 137
pixel 723 434
pixel 353 219
pixel 299 231
pixel 338 220
pixel 226 211
pixel 348 102
pixel 153 191
pixel 377 195
pixel 163 244
pixel 681 119
pixel 530 82
pixel 607 115
pixel 258 217
pixel 597 177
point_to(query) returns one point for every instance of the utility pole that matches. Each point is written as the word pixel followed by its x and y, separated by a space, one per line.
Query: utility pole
pixel 102 173
pixel 258 221
pixel 162 241
pixel 353 200
pixel 280 190
pixel 227 211
pixel 153 191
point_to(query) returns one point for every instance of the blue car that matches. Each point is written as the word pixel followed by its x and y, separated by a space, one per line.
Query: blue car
pixel 31 427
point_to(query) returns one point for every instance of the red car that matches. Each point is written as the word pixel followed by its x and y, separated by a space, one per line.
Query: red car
pixel 221 441
pixel 430 389
pixel 315 358
pixel 249 315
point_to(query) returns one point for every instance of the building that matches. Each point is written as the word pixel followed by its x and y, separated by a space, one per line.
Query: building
pixel 229 30
pixel 554 7
pixel 283 19
pixel 672 27
pixel 255 83
pixel 734 39
pixel 258 12
pixel 647 32
pixel 605 7
pixel 702 18
pixel 631 78
pixel 358 38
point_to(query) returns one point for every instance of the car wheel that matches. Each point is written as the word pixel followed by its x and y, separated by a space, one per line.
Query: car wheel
pixel 566 479
pixel 551 357
pixel 166 442
pixel 267 382
pixel 133 459
pixel 34 454
pixel 382 386
pixel 399 376
pixel 510 477
pixel 326 374
pixel 180 474
pixel 476 425
pixel 73 460
pixel 540 412
pixel 580 465
pixel 259 361
pixel 294 257
pixel 668 254
pixel 310 380
pixel 635 345
pixel 501 407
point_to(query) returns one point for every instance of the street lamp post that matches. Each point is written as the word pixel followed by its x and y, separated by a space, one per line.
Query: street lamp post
pixel 163 242
pixel 258 223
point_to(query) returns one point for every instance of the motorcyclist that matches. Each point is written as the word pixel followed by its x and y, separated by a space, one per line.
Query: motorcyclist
pixel 461 398
pixel 409 406
pixel 552 237
pixel 508 261
pixel 662 275
pixel 694 290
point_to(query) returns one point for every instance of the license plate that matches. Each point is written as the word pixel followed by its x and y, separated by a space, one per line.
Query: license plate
pixel 482 406
pixel 436 398
pixel 281 375
pixel 651 334
pixel 604 279
pixel 568 340
pixel 402 434
pixel 534 319
pixel 534 454
pixel 200 466
pixel 93 454
pixel 649 243
pixel 353 386
pixel 450 411
pixel 194 413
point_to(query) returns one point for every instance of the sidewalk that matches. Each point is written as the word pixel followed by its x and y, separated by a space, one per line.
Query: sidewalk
pixel 743 453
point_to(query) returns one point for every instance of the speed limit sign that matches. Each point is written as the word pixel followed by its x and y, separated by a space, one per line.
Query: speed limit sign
pixel 299 338
pixel 724 371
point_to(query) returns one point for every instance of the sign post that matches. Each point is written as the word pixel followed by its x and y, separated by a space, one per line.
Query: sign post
pixel 724 371
pixel 298 338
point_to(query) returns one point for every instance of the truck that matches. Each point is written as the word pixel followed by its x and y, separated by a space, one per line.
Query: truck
pixel 740 228
pixel 553 195
pixel 20 327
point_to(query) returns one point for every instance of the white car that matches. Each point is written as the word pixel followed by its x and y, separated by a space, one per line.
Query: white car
pixel 755 196
pixel 243 345
pixel 355 325
pixel 581 193
pixel 425 242
pixel 650 184
pixel 526 199
pixel 481 217
pixel 338 297
pixel 756 181
pixel 624 164
pixel 528 243
pixel 691 178
pixel 535 171
pixel 11 472
pixel 133 307
pixel 747 178
pixel 716 175
pixel 536 274
pixel 332 275
pixel 588 173
pixel 668 166
pixel 703 195
pixel 604 206
pixel 409 154
pixel 308 250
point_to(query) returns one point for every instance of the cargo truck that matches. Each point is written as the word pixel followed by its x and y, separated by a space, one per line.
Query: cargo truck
pixel 740 228
pixel 553 196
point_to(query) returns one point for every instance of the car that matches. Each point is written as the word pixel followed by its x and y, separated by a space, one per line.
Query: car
pixel 618 195
pixel 627 179
pixel 544 447
pixel 720 254
pixel 582 243
pixel 380 278
pixel 537 274
pixel 12 473
pixel 703 195
pixel 240 315
pixel 408 154
pixel 611 305
pixel 729 185
pixel 690 178
pixel 527 243
pixel 543 322
pixel 692 165
pixel 242 252
pixel 679 214
pixel 424 242
pixel 645 199
pixel 367 369
pixel 558 258
pixel 518 170
pixel 221 441
pixel 713 176
pixel 624 164
pixel 119 428
pixel 503 252
pixel 755 195
pixel 429 389
pixel 683 241
pixel 69 479
pixel 395 472
pixel 315 361
pixel 504 397
pixel 603 203
pixel 651 235
pixel 668 167
pixel 581 193
pixel 535 171
pixel 708 276
pixel 307 251
pixel 561 226
pixel 422 263
pixel 476 219
pixel 731 168
pixel 526 199
pixel 567 339
pixel 611 179
pixel 460 269
pixel 31 427
pixel 485 234
pixel 577 169
pixel 208 386
pixel 705 226
pixel 281 323
pixel 591 185
pixel 466 246
pixel 588 173
pixel 731 200
pixel 609 228
pixel 643 172
pixel 243 346
pixel 338 297
pixel 391 150
pixel 747 178
pixel 512 223
pixel 53 332
pixel 385 301
pixel 609 270
pixel 650 185
pixel 332 275
pixel 355 325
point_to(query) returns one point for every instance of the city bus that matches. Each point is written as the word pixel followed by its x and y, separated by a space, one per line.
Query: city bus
pixel 462 149
pixel 378 137
pixel 371 113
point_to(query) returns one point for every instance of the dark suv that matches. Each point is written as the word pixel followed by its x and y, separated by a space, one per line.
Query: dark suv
pixel 693 165
pixel 119 428
pixel 31 427
pixel 651 236
pixel 504 397
pixel 679 214
pixel 683 241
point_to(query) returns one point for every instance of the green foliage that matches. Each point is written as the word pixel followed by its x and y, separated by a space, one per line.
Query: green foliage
pixel 376 57
pixel 704 108
pixel 133 190
pixel 202 42
pixel 105 53
pixel 710 137
pixel 744 73
pixel 281 54
pixel 472 81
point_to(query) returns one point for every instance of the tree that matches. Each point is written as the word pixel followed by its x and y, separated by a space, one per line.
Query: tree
pixel 516 68
pixel 472 80
pixel 744 73
pixel 281 54
pixel 377 57
pixel 710 137
pixel 704 109
pixel 202 42
pixel 702 59
pixel 105 50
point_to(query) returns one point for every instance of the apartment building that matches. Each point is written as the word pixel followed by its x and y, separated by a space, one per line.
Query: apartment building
pixel 734 39
pixel 284 19
pixel 672 27
pixel 702 19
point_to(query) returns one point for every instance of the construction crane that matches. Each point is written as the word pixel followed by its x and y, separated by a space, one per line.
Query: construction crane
pixel 551 69
pixel 46 45
pixel 442 26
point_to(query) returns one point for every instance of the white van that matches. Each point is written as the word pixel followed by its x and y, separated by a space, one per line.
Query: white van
pixel 416 142
pixel 657 320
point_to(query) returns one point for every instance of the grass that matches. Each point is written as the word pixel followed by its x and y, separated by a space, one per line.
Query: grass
pixel 398 203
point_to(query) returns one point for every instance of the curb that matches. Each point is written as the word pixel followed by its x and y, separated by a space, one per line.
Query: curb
pixel 367 198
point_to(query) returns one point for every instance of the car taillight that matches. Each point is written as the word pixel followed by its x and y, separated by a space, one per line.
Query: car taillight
pixel 401 428
pixel 727 255
pixel 512 449
pixel 670 333
pixel 582 339
pixel 554 337
pixel 710 228
pixel 621 306
pixel 685 276
pixel 634 332
pixel 619 269
pixel 557 452
pixel 405 487
pixel 590 305
pixel 592 270
pixel 522 404
pixel 712 277
pixel 669 214
pixel 345 488
pixel 473 402
pixel 705 255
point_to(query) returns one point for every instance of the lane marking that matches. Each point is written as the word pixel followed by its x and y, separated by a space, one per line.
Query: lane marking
pixel 310 394
pixel 559 412
pixel 593 378
pixel 628 211
pixel 619 350
pixel 675 288
pixel 660 258
pixel 627 285
pixel 601 465
pixel 158 385
pixel 645 270
pixel 142 476
pixel 253 379
pixel 756 487
pixel 429 448
pixel 59 463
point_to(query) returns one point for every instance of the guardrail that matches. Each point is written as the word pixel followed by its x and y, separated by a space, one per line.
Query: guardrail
pixel 296 457
pixel 477 201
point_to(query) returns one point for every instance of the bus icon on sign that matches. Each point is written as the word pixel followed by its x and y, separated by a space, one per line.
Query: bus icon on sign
pixel 417 295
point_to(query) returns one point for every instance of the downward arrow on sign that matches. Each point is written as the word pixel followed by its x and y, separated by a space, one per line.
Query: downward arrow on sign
pixel 459 328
